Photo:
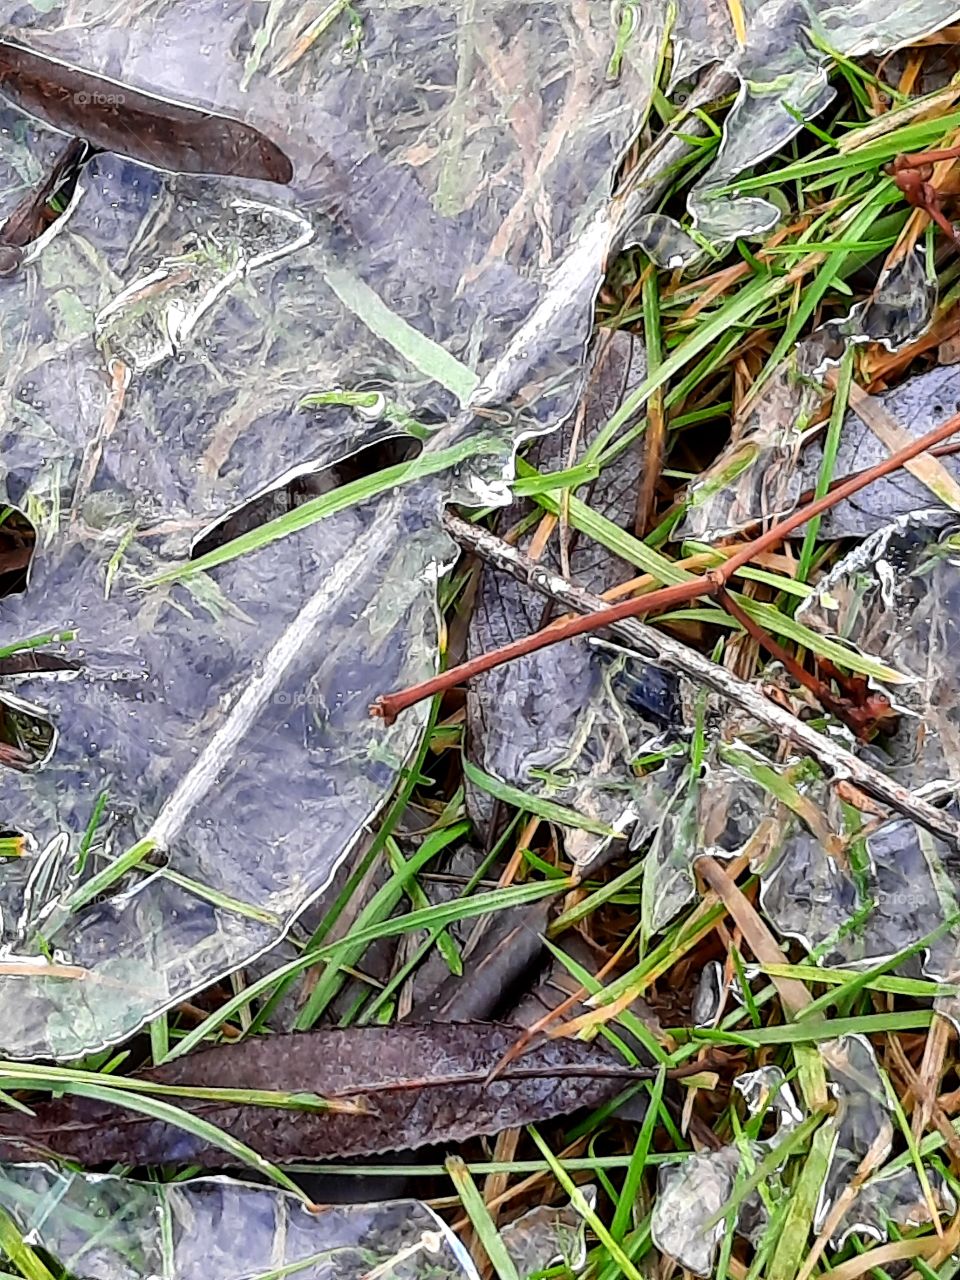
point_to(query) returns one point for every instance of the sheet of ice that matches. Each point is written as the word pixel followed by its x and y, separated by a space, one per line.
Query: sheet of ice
pixel 711 810
pixel 853 891
pixel 897 597
pixel 895 1199
pixel 442 246
pixel 107 1228
pixel 918 404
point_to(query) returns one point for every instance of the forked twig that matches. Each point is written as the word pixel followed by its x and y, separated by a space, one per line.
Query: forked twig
pixel 912 174
pixel 710 584
pixel 661 647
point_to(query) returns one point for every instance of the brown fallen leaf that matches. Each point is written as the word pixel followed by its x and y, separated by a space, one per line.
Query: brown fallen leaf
pixel 417 1084
pixel 154 131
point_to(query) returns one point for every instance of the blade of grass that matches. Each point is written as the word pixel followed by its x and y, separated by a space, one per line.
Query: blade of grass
pixel 435 917
pixel 378 909
pixel 613 1247
pixel 16 1249
pixel 545 809
pixel 831 445
pixel 480 1219
pixel 797 1032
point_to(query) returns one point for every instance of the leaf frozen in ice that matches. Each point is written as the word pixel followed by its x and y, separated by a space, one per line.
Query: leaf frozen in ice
pixel 116 117
pixel 919 404
pixel 566 723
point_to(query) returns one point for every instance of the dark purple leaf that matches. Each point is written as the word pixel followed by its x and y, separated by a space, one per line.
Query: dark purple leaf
pixel 420 1084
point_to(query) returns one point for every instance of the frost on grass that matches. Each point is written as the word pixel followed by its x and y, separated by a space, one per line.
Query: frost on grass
pixel 154 354
pixel 108 1228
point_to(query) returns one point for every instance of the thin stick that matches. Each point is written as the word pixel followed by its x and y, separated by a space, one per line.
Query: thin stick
pixel 920 159
pixel 668 652
pixel 709 584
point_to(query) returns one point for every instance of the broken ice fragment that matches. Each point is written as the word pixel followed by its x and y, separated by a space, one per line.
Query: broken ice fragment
pixel 549 1235
pixel 859 905
pixel 897 597
pixel 708 998
pixel 757 476
pixel 894 1198
pixel 108 1228
pixel 688 1220
pixel 783 67
pixel 689 1195
pixel 864 1129
pixel 711 809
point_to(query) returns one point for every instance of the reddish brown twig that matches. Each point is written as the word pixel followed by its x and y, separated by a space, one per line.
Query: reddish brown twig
pixel 863 710
pixel 912 174
pixel 710 584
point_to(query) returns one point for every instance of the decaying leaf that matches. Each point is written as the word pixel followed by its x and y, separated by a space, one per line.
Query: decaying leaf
pixel 117 117
pixel 417 1085
pixel 917 404
pixel 504 949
